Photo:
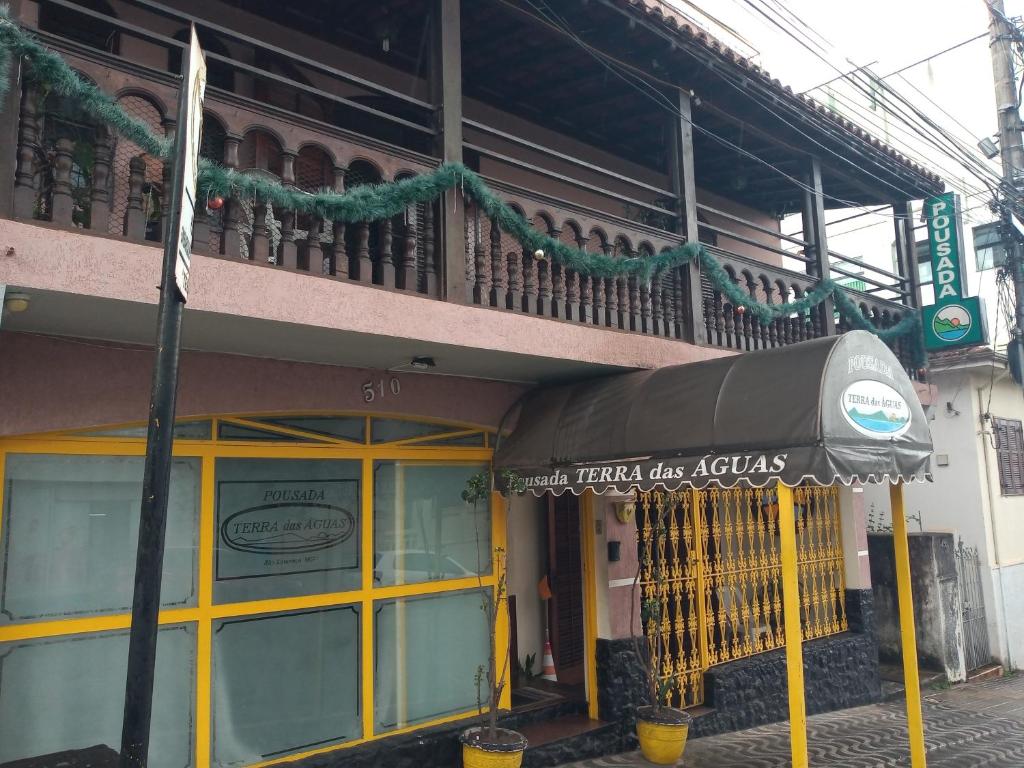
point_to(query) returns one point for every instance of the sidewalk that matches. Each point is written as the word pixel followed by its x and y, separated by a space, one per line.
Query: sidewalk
pixel 967 726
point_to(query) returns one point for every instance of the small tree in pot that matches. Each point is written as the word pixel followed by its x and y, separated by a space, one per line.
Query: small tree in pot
pixel 490 746
pixel 661 729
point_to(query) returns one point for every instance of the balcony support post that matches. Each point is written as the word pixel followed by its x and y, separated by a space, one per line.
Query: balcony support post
pixel 446 88
pixel 684 185
pixel 289 251
pixel 340 250
pixel 135 217
pixel 25 192
pixel 63 202
pixel 814 233
pixel 11 164
pixel 260 251
pixel 906 252
pixel 232 241
pixel 99 195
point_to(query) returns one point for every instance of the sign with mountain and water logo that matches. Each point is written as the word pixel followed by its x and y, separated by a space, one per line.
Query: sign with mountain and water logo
pixel 273 528
pixel 954 320
pixel 875 409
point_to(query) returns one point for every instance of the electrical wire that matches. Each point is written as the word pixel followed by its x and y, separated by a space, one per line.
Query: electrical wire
pixel 638 79
pixel 849 76
pixel 935 55
pixel 855 79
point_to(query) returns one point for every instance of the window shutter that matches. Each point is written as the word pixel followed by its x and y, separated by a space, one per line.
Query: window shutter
pixel 1009 439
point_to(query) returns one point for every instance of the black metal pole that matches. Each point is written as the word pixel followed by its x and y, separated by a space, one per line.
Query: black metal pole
pixel 138 695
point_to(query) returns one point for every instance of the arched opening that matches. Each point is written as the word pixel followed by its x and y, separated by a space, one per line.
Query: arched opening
pixel 63 118
pixel 211 145
pixel 144 109
pixel 314 171
pixel 362 239
pixel 260 153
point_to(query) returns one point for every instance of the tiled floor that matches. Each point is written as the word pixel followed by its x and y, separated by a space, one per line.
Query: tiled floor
pixel 979 725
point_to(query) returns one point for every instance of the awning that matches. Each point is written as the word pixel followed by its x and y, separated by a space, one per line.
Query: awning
pixel 834 410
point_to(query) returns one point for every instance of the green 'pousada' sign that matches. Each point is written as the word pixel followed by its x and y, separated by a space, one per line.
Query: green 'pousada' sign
pixel 945 235
pixel 953 320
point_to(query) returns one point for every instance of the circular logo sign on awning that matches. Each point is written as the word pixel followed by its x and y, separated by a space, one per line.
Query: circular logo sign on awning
pixel 875 409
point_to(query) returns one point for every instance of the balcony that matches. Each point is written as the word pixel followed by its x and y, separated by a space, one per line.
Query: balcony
pixel 74 174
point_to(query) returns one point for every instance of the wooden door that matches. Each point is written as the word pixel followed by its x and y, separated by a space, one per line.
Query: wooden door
pixel 565 573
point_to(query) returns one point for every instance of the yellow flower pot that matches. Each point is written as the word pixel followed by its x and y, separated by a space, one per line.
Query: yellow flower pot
pixel 477 753
pixel 663 737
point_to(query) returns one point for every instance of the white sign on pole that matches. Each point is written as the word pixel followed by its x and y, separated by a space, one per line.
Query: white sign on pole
pixel 195 82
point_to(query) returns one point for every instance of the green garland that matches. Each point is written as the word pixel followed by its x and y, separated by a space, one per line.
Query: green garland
pixel 48 70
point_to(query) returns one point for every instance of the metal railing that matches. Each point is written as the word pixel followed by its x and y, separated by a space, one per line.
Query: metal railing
pixel 711 561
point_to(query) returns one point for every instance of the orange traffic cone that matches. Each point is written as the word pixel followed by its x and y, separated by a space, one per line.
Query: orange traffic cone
pixel 548 663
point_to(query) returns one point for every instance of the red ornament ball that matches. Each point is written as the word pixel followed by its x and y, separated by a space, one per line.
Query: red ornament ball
pixel 740 310
pixel 216 203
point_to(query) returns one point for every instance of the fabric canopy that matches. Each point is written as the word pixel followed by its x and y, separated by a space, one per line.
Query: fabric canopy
pixel 839 409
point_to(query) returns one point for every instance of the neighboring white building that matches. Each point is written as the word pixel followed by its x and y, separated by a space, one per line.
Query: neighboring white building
pixel 978 489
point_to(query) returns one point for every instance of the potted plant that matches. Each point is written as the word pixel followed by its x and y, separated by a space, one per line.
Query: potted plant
pixel 488 746
pixel 660 728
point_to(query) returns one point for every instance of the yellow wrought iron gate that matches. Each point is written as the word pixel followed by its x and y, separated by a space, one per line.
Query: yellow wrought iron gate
pixel 715 576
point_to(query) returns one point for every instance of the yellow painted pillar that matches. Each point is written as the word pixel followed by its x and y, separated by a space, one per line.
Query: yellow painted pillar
pixel 502 630
pixel 791 612
pixel 588 531
pixel 908 639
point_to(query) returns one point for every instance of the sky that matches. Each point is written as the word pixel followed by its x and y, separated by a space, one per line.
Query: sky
pixel 955 88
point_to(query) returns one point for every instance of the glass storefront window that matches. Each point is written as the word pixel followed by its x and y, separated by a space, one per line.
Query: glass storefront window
pixel 70 530
pixel 286 527
pixel 388 430
pixel 428 651
pixel 183 430
pixel 423 529
pixel 284 683
pixel 327 610
pixel 67 692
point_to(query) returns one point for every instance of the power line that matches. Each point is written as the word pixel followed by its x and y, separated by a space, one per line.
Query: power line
pixel 936 55
pixel 964 157
pixel 639 83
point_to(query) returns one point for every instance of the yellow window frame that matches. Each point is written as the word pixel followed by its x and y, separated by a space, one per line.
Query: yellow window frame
pixel 205 612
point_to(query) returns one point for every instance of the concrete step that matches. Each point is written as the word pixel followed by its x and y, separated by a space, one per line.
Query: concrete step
pixel 566 739
pixel 987 672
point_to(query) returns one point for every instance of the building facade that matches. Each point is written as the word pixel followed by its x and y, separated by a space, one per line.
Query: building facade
pixel 341 382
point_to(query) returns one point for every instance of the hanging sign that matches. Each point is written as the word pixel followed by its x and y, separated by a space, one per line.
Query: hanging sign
pixel 192 125
pixel 954 320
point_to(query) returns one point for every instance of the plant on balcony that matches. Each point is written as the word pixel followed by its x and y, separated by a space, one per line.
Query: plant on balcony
pixel 661 728
pixel 490 746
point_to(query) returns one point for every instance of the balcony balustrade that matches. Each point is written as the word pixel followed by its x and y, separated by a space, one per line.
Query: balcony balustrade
pixel 74 173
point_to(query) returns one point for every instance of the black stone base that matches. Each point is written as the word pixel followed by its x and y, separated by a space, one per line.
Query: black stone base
pixel 439 747
pixel 596 743
pixel 839 671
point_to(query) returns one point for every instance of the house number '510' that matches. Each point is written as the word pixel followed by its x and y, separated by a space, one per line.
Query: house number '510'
pixel 380 388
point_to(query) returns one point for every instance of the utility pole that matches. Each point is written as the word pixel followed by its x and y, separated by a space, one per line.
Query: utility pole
pixel 1011 150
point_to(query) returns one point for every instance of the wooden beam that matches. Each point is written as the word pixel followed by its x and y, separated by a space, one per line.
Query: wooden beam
pixel 906 250
pixel 814 229
pixel 681 171
pixel 446 90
